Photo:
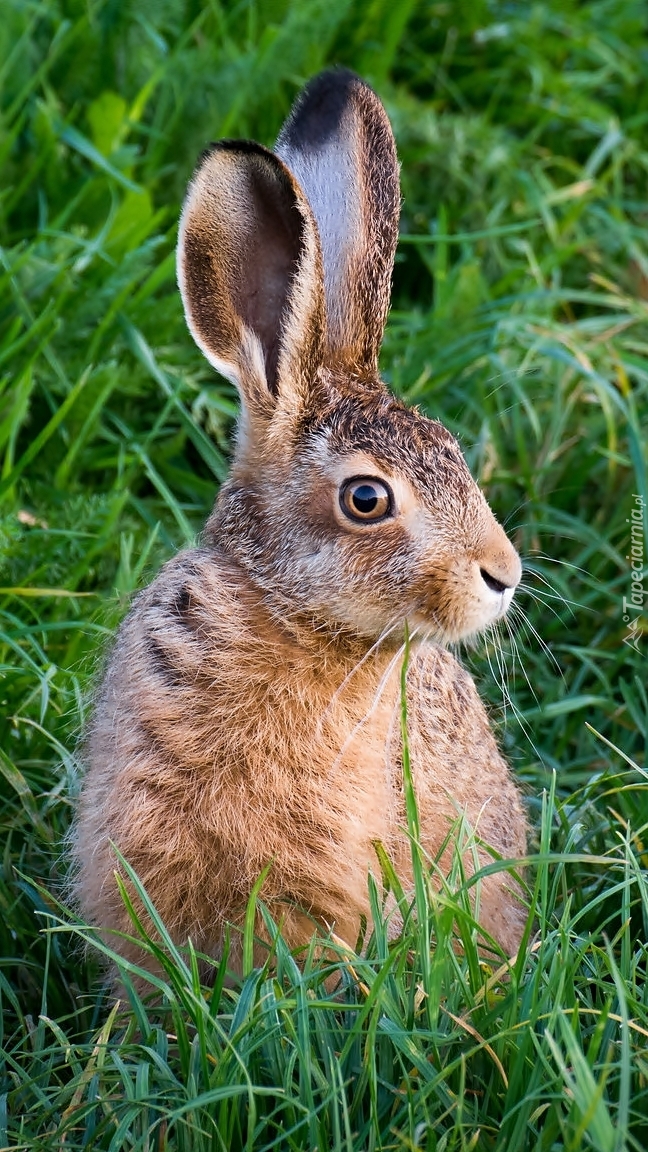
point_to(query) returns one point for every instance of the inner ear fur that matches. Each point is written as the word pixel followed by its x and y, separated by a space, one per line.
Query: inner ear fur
pixel 249 270
pixel 339 144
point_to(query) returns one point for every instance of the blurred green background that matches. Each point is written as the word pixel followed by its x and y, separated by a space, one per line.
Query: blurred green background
pixel 520 318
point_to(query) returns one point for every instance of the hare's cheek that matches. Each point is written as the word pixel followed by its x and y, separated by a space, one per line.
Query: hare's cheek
pixel 383 560
pixel 437 596
pixel 364 579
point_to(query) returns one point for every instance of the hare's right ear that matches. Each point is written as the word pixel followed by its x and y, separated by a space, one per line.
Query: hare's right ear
pixel 250 276
pixel 339 144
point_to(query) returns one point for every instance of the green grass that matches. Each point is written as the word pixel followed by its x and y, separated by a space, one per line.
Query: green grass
pixel 521 319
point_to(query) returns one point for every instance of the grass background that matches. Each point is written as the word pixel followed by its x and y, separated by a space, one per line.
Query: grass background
pixel 520 317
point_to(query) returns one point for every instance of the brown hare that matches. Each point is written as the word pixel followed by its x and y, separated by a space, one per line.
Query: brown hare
pixel 250 711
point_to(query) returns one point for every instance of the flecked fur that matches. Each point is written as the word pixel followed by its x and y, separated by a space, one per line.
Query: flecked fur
pixel 249 713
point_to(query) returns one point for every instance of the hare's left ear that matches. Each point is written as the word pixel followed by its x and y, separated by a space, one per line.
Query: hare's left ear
pixel 250 276
pixel 339 144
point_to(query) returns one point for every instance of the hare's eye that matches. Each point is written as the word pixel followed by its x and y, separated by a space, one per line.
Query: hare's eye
pixel 365 499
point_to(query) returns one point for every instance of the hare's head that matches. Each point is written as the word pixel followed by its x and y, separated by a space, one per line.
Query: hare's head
pixel 345 507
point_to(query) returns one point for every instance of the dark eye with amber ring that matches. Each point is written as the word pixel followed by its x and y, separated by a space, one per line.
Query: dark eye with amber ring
pixel 365 500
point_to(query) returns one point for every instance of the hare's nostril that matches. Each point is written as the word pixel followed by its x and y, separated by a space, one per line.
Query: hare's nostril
pixel 492 583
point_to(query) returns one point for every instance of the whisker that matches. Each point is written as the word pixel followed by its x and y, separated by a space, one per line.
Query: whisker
pixel 499 658
pixel 514 512
pixel 524 725
pixel 552 595
pixel 387 631
pixel 552 588
pixel 527 623
pixel 516 653
pixel 553 560
pixel 537 596
pixel 384 680
pixel 500 683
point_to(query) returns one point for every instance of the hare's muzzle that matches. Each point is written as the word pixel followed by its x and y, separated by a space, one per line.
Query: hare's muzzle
pixel 499 573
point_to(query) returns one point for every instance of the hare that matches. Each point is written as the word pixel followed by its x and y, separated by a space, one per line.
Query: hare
pixel 249 715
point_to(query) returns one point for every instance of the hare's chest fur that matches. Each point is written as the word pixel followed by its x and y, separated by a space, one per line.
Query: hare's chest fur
pixel 220 746
pixel 237 701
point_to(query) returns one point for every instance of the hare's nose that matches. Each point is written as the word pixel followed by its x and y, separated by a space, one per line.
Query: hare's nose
pixel 493 583
pixel 498 562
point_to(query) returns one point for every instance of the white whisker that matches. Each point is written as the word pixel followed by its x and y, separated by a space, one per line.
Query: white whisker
pixel 387 631
pixel 384 680
pixel 516 653
pixel 537 596
pixel 527 624
pixel 553 591
pixel 564 563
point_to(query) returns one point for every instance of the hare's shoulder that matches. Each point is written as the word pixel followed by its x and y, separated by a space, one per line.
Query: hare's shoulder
pixel 200 589
pixel 175 674
pixel 178 624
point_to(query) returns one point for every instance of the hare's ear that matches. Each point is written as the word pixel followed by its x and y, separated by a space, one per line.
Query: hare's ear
pixel 339 144
pixel 250 275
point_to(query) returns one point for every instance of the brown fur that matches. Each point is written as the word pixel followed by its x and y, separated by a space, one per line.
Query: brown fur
pixel 250 710
pixel 338 123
